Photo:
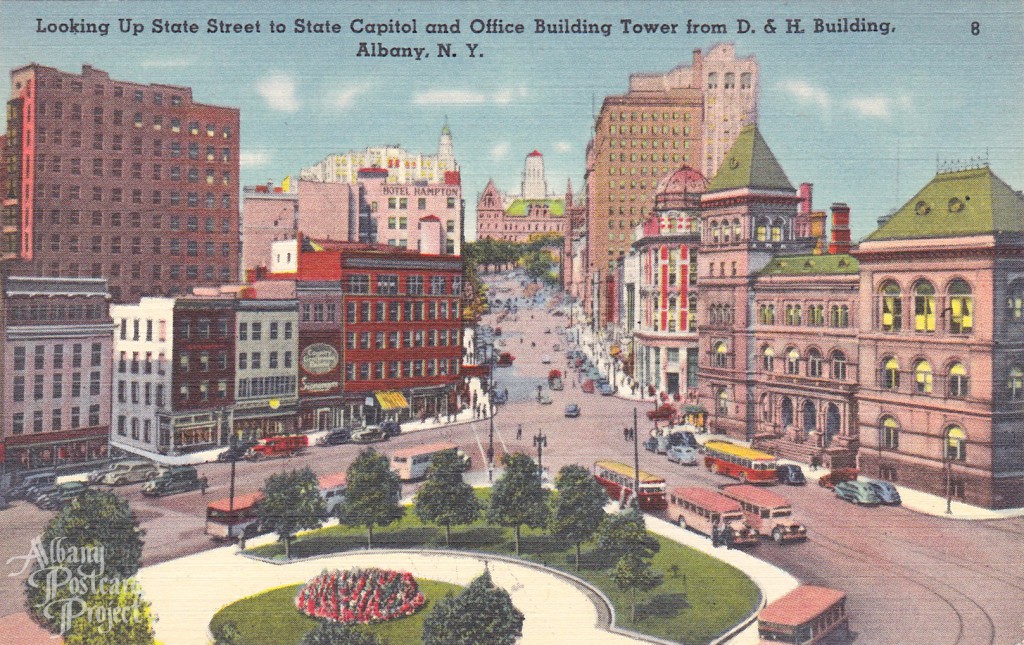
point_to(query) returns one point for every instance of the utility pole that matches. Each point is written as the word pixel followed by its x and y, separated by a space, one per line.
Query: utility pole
pixel 540 441
pixel 233 442
pixel 636 458
pixel 490 406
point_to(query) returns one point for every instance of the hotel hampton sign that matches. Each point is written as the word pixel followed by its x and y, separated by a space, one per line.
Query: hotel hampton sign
pixel 419 191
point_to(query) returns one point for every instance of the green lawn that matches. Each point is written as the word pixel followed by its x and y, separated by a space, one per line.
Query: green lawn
pixel 694 604
pixel 270 618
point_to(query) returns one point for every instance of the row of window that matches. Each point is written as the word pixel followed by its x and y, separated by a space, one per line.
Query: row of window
pixel 254 361
pixel 275 330
pixel 115 220
pixel 957 383
pixel 147 425
pixel 56 386
pixel 266 386
pixel 644 116
pixel 150 392
pixel 135 246
pixel 838 315
pixel 56 419
pixel 146 366
pixel 174 272
pixel 402 203
pixel 409 339
pixel 116 143
pixel 396 311
pixel 388 285
pixel 729 80
pixel 644 129
pixel 55 110
pixel 954 439
pixel 725 232
pixel 57 311
pixel 116 196
pixel 201 392
pixel 815 363
pixel 367 371
pixel 57 356
pixel 956 309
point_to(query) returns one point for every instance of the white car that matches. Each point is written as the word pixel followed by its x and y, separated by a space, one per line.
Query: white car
pixel 684 455
pixel 544 399
pixel 545 359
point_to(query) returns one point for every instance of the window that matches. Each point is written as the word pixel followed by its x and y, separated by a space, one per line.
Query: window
pixel 722 401
pixel 768 359
pixel 924 307
pixel 891 374
pixel 814 364
pixel 840 315
pixel 1015 302
pixel 359 284
pixel 958 381
pixel 889 433
pixel 956 444
pixel 414 285
pixel 961 307
pixel 923 377
pixel 720 354
pixel 792 361
pixel 1015 383
pixel 891 313
pixel 839 366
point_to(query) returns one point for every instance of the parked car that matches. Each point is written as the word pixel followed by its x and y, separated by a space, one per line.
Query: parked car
pixel 861 493
pixel 683 438
pixel 829 480
pixel 335 437
pixel 391 427
pixel 61 495
pixel 556 384
pixel 887 493
pixel 605 389
pixel 236 452
pixel 588 386
pixel 505 359
pixel 545 359
pixel 173 480
pixel 657 444
pixel 544 399
pixel 498 397
pixel 280 446
pixel 790 474
pixel 129 472
pixel 663 413
pixel 31 484
pixel 685 455
pixel 369 434
pixel 572 411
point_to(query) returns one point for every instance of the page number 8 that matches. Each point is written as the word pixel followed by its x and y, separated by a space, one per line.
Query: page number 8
pixel 975 28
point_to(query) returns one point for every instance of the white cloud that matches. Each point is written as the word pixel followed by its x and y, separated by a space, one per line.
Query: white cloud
pixel 279 91
pixel 449 97
pixel 872 106
pixel 501 96
pixel 806 93
pixel 500 150
pixel 563 146
pixel 253 158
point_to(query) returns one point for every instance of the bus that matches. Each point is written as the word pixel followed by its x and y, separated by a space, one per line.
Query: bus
pixel 412 463
pixel 806 615
pixel 617 478
pixel 768 513
pixel 701 509
pixel 228 519
pixel 739 462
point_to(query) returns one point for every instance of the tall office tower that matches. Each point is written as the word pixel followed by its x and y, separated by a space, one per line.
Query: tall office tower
pixel 111 179
pixel 689 115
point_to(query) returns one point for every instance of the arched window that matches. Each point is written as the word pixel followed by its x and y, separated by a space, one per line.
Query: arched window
pixel 956 444
pixel 726 236
pixel 766 407
pixel 737 232
pixel 961 307
pixel 810 417
pixel 768 359
pixel 1015 301
pixel 721 353
pixel 838 366
pixel 814 363
pixel 787 412
pixel 958 382
pixel 712 80
pixel 891 374
pixel 924 307
pixel 792 361
pixel 891 312
pixel 745 81
pixel 770 315
pixel 761 230
pixel 889 433
pixel 777 230
pixel 730 81
pixel 1015 384
pixel 722 401
pixel 716 232
pixel 923 377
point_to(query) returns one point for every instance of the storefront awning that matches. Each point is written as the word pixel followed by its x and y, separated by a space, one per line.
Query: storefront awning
pixel 391 400
pixel 695 409
pixel 614 351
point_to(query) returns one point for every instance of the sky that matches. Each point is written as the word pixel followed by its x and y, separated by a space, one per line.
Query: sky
pixel 865 117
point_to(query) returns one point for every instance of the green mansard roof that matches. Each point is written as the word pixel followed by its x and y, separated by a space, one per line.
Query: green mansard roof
pixel 750 164
pixel 519 207
pixel 965 202
pixel 839 264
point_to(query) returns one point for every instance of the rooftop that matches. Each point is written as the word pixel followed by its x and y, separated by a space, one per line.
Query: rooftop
pixel 750 163
pixel 839 264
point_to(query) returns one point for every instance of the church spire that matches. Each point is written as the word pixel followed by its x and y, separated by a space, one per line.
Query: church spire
pixel 445 151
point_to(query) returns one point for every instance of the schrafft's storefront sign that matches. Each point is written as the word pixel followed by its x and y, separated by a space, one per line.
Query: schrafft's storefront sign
pixel 320 364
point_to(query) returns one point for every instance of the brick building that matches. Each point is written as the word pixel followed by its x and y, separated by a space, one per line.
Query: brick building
pixel 525 215
pixel 55 372
pixel 134 183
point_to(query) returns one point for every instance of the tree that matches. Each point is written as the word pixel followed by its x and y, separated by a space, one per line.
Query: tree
pixel 114 616
pixel 578 508
pixel 291 503
pixel 445 498
pixel 633 573
pixel 372 494
pixel 96 523
pixel 481 615
pixel 334 634
pixel 227 634
pixel 626 532
pixel 518 498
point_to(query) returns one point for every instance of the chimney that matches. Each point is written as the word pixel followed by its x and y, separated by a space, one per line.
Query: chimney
pixel 697 77
pixel 806 193
pixel 840 229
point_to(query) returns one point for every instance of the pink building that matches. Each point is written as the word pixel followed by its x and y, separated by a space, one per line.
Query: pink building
pixel 269 214
pixel 406 215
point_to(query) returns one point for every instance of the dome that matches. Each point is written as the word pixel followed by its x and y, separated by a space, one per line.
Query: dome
pixel 684 180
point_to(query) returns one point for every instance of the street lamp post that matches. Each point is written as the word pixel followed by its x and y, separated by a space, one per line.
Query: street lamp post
pixel 540 441
pixel 948 468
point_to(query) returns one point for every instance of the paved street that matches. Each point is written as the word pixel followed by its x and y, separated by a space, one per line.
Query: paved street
pixel 952 581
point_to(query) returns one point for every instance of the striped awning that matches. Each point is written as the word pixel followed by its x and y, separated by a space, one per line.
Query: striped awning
pixel 391 400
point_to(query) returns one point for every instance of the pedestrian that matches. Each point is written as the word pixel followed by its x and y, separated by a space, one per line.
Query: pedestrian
pixel 715 534
pixel 506 394
pixel 519 432
pixel 202 485
pixel 625 434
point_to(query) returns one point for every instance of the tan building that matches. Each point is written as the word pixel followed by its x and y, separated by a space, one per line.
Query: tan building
pixel 690 115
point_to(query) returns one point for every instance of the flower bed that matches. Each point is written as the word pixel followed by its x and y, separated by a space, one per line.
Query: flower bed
pixel 360 596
